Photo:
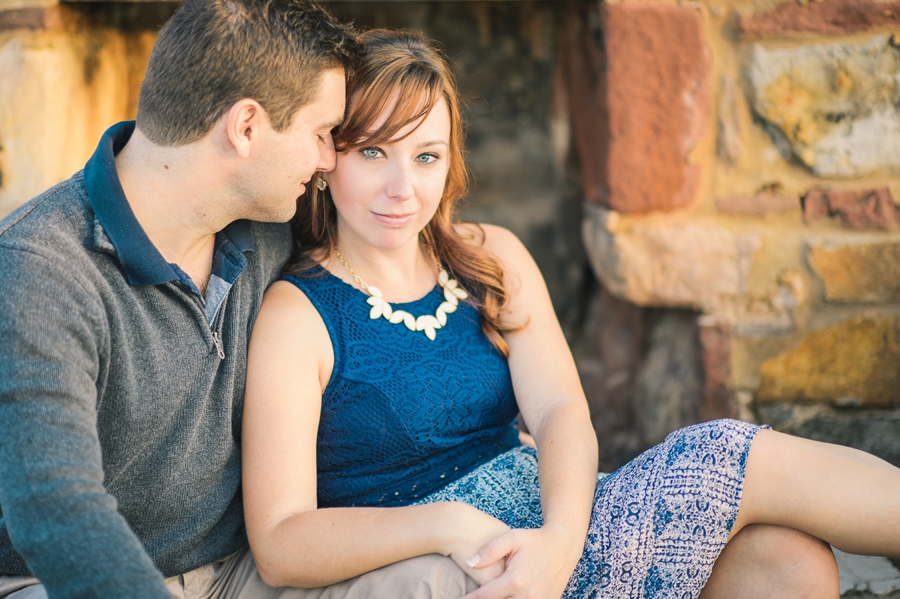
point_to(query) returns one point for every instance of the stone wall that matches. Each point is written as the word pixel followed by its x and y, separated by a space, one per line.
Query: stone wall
pixel 741 163
pixel 731 166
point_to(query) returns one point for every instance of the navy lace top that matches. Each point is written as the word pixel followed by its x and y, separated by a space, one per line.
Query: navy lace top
pixel 403 416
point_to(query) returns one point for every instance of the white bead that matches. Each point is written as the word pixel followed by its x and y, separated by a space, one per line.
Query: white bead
pixel 374 301
pixel 386 310
pixel 375 312
pixel 441 315
pixel 447 307
pixel 397 316
pixel 443 277
pixel 448 295
pixel 409 321
pixel 375 291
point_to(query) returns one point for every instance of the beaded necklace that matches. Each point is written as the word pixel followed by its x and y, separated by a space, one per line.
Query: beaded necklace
pixel 427 323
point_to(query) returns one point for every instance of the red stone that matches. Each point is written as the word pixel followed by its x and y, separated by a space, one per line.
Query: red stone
pixel 31 18
pixel 717 400
pixel 639 94
pixel 583 61
pixel 862 209
pixel 830 16
pixel 615 332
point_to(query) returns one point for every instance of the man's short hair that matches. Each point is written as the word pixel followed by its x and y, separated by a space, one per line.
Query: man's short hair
pixel 213 53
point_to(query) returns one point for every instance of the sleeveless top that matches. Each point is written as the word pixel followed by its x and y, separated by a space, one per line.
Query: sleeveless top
pixel 403 416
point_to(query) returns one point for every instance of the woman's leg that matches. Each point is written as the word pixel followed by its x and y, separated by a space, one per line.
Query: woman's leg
pixel 844 496
pixel 773 562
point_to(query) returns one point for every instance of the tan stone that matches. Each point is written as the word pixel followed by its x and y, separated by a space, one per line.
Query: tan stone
pixel 850 364
pixel 658 264
pixel 834 107
pixel 858 272
pixel 59 90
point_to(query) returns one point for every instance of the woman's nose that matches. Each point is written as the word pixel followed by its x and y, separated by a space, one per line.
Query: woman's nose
pixel 400 185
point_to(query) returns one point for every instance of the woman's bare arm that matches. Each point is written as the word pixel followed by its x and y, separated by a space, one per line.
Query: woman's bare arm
pixel 553 405
pixel 293 543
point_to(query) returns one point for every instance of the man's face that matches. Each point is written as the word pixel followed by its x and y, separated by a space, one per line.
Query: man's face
pixel 286 161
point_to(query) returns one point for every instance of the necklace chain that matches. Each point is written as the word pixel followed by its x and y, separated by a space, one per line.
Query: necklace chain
pixel 426 323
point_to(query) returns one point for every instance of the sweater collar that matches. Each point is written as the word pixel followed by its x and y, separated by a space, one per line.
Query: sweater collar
pixel 141 261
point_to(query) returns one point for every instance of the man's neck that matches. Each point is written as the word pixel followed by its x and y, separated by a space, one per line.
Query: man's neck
pixel 178 199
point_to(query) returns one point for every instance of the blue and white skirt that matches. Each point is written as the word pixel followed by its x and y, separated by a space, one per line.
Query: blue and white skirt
pixel 658 523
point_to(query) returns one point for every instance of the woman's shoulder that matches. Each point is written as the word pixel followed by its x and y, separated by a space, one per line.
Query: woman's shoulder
pixel 502 243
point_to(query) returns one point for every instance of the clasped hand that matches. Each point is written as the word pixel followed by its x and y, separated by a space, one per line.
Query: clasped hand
pixel 533 563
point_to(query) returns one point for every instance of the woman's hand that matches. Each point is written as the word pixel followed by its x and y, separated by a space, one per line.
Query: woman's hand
pixel 538 564
pixel 470 530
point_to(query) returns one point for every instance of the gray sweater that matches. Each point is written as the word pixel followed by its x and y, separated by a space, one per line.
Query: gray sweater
pixel 119 421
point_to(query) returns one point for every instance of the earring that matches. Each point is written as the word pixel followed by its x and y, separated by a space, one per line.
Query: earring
pixel 322 184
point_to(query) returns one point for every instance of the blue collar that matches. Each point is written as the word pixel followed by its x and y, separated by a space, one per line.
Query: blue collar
pixel 142 262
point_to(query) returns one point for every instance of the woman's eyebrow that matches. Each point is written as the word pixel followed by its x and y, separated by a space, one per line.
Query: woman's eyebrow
pixel 435 142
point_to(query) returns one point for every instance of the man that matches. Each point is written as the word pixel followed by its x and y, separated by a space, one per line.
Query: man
pixel 128 295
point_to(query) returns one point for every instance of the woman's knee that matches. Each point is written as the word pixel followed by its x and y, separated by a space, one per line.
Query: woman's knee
pixel 773 562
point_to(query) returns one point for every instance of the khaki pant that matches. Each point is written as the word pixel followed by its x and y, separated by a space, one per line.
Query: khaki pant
pixel 236 577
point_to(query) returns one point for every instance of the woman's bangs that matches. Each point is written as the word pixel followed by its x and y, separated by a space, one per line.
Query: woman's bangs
pixel 409 102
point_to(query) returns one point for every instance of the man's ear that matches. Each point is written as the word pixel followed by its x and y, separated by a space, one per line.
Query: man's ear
pixel 244 123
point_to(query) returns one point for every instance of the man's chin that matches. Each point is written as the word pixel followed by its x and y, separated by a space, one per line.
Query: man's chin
pixel 272 215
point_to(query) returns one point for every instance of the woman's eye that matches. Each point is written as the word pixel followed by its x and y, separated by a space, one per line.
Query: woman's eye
pixel 371 152
pixel 426 158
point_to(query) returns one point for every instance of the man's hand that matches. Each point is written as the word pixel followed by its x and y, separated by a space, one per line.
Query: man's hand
pixel 538 564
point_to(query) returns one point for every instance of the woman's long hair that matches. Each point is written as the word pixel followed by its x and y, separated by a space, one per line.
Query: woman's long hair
pixel 402 68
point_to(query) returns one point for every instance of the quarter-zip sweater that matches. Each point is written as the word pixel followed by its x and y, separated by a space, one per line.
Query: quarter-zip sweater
pixel 121 390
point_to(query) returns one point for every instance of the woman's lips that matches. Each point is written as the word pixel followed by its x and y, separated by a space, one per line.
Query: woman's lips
pixel 393 220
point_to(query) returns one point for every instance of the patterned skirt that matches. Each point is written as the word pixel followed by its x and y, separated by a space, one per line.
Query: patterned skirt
pixel 658 523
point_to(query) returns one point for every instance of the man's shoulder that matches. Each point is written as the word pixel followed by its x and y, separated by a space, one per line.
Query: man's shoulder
pixel 273 243
pixel 53 225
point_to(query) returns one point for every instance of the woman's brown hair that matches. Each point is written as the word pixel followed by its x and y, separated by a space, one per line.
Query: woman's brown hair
pixel 404 70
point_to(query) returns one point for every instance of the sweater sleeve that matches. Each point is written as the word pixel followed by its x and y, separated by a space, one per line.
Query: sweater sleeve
pixel 58 514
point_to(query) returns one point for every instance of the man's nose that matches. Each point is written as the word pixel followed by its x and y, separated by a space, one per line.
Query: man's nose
pixel 327 156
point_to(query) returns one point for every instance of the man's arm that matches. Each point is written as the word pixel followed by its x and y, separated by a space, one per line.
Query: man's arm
pixel 58 514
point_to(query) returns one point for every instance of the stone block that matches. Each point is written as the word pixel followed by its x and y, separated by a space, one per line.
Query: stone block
pixel 670 377
pixel 853 363
pixel 716 400
pixel 635 139
pixel 834 16
pixel 615 332
pixel 47 79
pixel 867 574
pixel 758 204
pixel 671 265
pixel 32 17
pixel 874 431
pixel 834 107
pixel 866 272
pixel 857 209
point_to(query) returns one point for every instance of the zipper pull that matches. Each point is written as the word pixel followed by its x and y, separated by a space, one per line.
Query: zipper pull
pixel 218 343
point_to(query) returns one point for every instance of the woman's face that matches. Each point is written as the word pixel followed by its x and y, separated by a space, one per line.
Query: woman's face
pixel 385 194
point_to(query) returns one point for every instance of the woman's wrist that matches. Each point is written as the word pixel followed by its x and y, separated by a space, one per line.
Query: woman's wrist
pixel 450 525
pixel 569 540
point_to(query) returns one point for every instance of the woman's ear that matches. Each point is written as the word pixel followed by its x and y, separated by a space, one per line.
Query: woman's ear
pixel 244 124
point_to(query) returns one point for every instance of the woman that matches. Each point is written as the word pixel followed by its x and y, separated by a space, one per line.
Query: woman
pixel 395 355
